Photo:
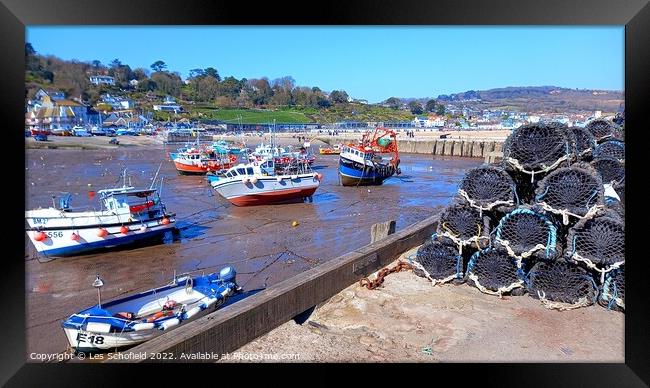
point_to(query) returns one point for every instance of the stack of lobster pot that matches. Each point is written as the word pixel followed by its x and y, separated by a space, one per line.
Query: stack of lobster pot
pixel 548 221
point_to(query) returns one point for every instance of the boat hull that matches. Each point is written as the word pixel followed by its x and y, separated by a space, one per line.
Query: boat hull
pixel 60 242
pixel 353 173
pixel 188 169
pixel 86 341
pixel 266 190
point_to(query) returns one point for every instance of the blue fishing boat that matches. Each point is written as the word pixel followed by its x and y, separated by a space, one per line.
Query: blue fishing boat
pixel 137 318
pixel 362 164
pixel 223 147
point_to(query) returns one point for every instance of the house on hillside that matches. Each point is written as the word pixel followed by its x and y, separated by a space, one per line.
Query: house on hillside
pixel 169 105
pixel 49 113
pixel 102 80
pixel 117 103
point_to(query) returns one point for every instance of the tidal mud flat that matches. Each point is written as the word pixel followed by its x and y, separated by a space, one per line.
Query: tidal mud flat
pixel 260 242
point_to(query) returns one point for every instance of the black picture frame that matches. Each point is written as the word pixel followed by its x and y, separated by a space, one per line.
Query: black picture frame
pixel 634 14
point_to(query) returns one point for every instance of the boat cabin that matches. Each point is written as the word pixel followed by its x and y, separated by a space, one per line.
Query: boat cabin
pixel 356 153
pixel 126 199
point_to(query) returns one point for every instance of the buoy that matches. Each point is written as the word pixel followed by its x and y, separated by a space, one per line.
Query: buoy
pixel 319 176
pixel 294 176
pixel 254 180
pixel 165 221
pixel 279 179
pixel 295 223
pixel 143 228
pixel 90 185
pixel 102 232
pixel 74 237
pixel 40 236
pixel 245 180
pixel 91 194
pixel 124 230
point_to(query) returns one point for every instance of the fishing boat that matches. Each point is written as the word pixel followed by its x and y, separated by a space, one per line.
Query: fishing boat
pixel 362 164
pixel 127 215
pixel 334 150
pixel 134 319
pixel 261 183
pixel 223 147
pixel 199 161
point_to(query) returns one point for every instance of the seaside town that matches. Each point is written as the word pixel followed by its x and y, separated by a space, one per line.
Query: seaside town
pixel 207 216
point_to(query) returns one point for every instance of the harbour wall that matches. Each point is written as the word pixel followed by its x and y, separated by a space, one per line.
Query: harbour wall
pixel 469 148
pixel 227 329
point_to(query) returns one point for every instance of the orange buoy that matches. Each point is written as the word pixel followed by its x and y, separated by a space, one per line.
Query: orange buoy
pixel 74 237
pixel 40 236
pixel 165 221
pixel 91 194
pixel 102 232
pixel 124 230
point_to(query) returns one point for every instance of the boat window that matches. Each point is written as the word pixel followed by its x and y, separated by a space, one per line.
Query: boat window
pixel 228 174
pixel 241 171
pixel 249 171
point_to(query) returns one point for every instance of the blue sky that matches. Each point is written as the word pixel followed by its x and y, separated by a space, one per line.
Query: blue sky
pixel 371 63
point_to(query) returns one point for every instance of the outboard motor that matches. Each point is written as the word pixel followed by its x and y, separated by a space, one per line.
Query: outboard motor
pixel 228 274
pixel 64 201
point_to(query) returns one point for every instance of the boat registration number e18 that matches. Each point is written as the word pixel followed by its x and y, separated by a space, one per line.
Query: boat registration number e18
pixel 91 338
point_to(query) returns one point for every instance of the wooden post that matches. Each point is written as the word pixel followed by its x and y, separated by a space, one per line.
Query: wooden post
pixel 381 230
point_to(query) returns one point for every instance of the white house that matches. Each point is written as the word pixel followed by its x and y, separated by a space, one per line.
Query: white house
pixel 134 82
pixel 169 105
pixel 533 119
pixel 102 80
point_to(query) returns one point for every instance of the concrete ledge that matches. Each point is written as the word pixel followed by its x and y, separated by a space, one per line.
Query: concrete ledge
pixel 228 329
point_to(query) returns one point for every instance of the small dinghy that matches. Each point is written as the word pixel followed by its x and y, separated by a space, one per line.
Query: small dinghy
pixel 134 319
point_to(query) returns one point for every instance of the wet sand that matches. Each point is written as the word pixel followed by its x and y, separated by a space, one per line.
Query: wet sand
pixel 259 241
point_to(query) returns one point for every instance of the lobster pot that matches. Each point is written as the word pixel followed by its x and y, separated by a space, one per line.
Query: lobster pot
pixel 494 272
pixel 438 262
pixel 611 149
pixel 524 233
pixel 611 171
pixel 598 243
pixel 561 285
pixel 612 294
pixel 463 226
pixel 575 191
pixel 488 188
pixel 620 190
pixel 616 206
pixel 603 130
pixel 533 150
pixel 585 143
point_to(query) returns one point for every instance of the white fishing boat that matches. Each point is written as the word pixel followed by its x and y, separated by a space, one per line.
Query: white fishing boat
pixel 258 183
pixel 133 319
pixel 126 215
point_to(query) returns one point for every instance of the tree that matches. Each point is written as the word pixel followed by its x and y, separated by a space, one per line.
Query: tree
pixel 415 107
pixel 96 64
pixel 212 72
pixel 430 106
pixel 338 96
pixel 196 73
pixel 116 63
pixel 440 110
pixel 32 62
pixel 168 83
pixel 158 66
pixel 394 102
